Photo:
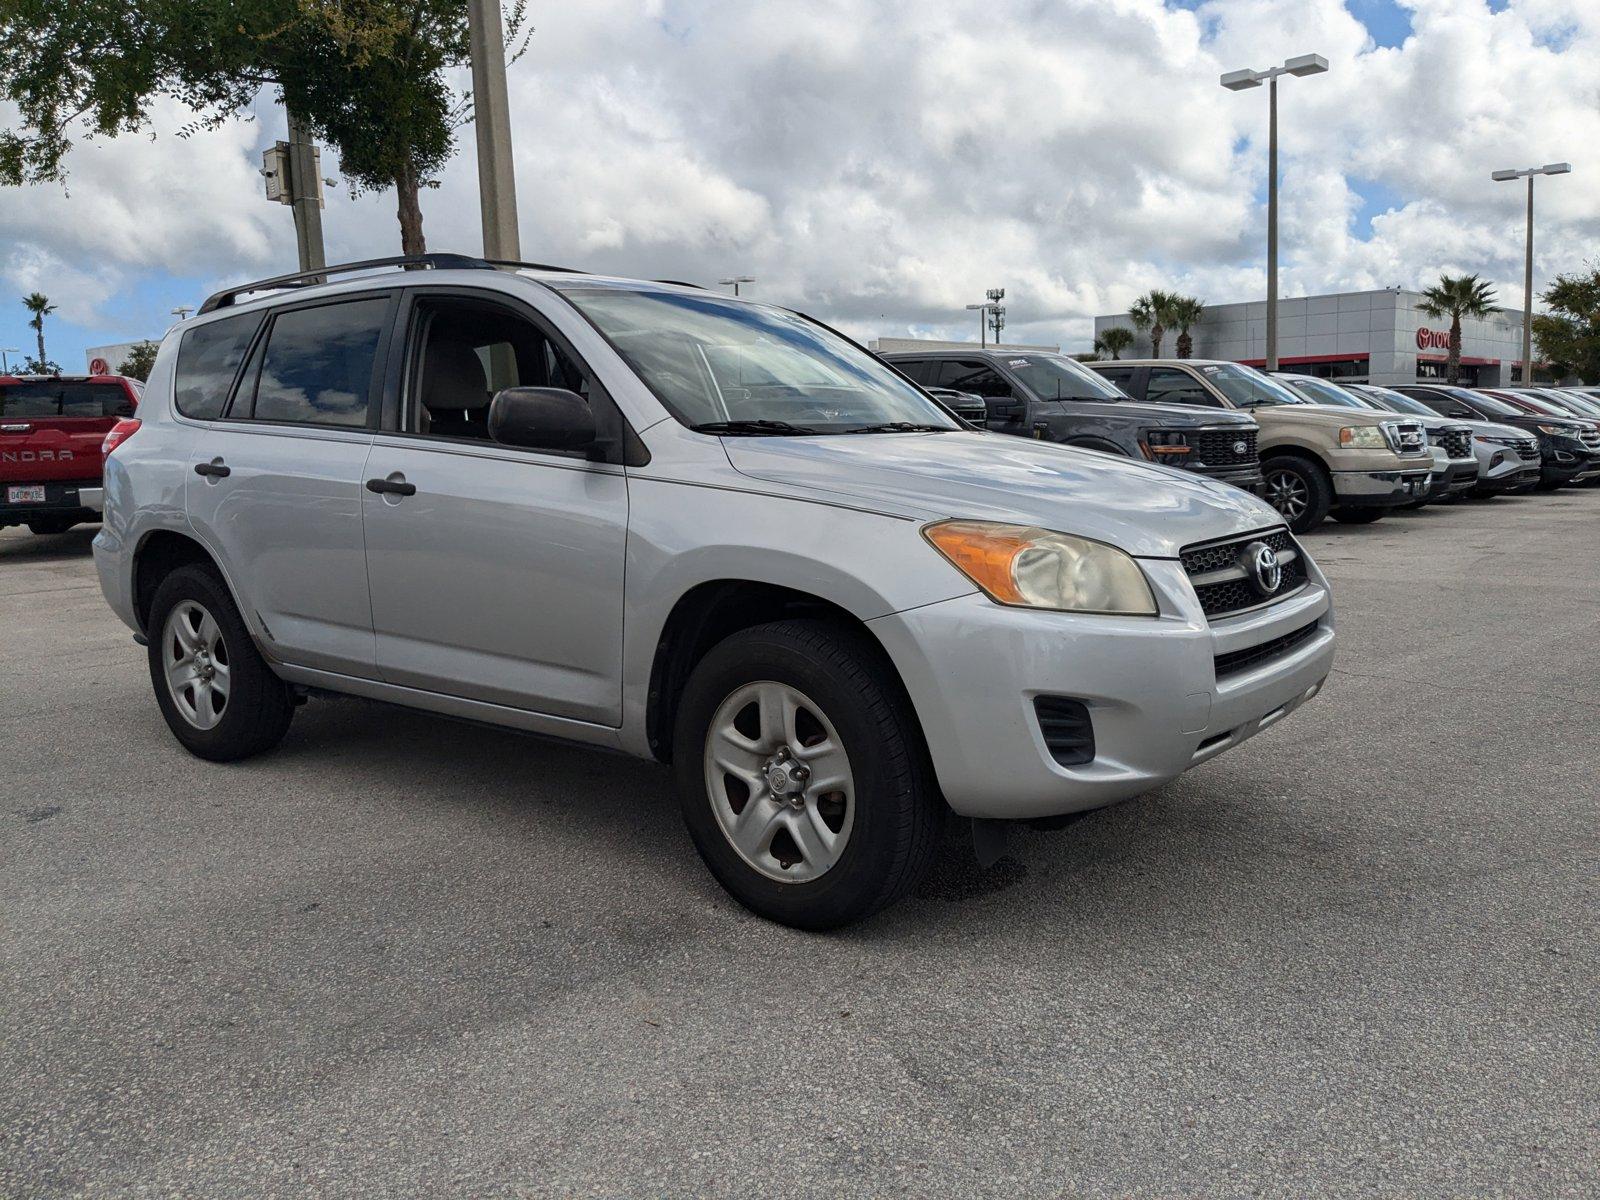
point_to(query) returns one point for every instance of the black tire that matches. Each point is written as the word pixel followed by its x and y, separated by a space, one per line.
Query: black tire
pixel 49 526
pixel 898 811
pixel 1358 516
pixel 1299 489
pixel 258 706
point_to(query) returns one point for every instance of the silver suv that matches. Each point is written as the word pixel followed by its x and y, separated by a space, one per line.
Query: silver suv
pixel 689 528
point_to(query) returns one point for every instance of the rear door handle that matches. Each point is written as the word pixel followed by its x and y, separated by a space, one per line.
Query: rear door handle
pixel 213 470
pixel 391 487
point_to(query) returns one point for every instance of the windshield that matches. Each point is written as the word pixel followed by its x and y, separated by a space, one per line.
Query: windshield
pixel 1320 392
pixel 1246 386
pixel 1055 377
pixel 1580 404
pixel 1397 401
pixel 1483 403
pixel 718 362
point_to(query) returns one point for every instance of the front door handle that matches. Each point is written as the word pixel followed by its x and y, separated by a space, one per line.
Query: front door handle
pixel 216 469
pixel 391 487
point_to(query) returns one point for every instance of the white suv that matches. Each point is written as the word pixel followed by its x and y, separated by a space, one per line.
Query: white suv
pixel 693 528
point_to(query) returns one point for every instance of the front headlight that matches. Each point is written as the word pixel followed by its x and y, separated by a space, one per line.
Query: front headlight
pixel 1557 431
pixel 1029 567
pixel 1363 437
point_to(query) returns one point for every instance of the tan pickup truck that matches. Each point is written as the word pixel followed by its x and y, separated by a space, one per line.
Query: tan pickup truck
pixel 1317 461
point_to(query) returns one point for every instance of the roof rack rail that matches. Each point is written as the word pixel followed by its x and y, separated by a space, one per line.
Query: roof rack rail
pixel 435 262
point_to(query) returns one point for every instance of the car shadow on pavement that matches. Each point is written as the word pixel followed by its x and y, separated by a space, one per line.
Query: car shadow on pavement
pixel 18 545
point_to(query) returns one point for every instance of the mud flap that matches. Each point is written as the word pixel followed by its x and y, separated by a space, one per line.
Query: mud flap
pixel 989 841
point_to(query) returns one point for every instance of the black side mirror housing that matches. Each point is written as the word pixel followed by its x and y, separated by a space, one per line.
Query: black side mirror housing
pixel 1003 408
pixel 542 419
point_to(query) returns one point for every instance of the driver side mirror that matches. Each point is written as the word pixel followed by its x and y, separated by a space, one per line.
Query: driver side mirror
pixel 1461 410
pixel 1003 408
pixel 542 419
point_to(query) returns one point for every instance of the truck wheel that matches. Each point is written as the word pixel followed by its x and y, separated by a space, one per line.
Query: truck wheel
pixel 1357 516
pixel 803 776
pixel 1298 489
pixel 219 697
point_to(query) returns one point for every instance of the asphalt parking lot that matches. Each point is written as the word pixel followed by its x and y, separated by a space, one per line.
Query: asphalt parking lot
pixel 400 957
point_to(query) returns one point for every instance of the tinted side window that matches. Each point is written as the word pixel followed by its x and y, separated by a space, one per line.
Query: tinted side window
pixel 1433 400
pixel 318 364
pixel 1121 376
pixel 1170 386
pixel 918 370
pixel 973 375
pixel 208 359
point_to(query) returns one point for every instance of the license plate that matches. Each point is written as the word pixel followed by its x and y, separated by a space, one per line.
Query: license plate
pixel 25 495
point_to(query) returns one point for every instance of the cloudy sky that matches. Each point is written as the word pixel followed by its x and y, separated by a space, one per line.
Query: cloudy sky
pixel 880 163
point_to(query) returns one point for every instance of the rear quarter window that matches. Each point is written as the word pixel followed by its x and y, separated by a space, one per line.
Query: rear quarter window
pixel 208 360
pixel 63 398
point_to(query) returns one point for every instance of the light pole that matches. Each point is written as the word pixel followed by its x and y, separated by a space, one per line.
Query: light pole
pixel 182 311
pixel 497 180
pixel 1527 266
pixel 1238 81
pixel 5 362
pixel 736 280
pixel 983 311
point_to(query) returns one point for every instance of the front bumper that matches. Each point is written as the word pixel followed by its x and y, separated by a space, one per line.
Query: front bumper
pixel 1381 489
pixel 1459 476
pixel 1563 464
pixel 1248 477
pixel 1150 685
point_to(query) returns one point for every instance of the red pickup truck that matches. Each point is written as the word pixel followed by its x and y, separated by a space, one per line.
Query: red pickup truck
pixel 52 429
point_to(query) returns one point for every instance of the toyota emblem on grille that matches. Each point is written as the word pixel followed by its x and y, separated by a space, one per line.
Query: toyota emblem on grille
pixel 1240 447
pixel 1266 572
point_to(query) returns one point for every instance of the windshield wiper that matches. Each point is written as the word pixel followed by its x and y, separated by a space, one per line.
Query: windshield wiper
pixel 752 428
pixel 901 427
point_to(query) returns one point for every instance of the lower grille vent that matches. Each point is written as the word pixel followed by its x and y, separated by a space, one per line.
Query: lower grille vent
pixel 1067 728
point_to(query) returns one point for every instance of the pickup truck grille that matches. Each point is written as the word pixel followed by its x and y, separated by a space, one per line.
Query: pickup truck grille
pixel 1226 585
pixel 1409 437
pixel 1221 447
pixel 1456 442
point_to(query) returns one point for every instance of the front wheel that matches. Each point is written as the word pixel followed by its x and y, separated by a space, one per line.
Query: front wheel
pixel 219 697
pixel 1299 489
pixel 802 774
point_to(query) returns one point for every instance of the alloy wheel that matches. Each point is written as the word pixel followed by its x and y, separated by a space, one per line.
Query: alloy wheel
pixel 1287 492
pixel 195 658
pixel 780 782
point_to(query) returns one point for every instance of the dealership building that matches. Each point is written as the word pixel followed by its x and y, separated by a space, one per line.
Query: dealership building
pixel 1372 337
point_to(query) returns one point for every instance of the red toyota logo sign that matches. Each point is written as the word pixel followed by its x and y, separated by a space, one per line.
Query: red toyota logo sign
pixel 1432 339
pixel 99 366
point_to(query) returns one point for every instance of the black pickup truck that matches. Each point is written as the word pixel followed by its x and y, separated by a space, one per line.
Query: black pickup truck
pixel 1057 399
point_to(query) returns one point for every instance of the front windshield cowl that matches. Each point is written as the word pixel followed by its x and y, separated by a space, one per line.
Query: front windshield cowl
pixel 731 367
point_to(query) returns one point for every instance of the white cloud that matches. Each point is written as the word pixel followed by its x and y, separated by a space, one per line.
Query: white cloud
pixel 880 162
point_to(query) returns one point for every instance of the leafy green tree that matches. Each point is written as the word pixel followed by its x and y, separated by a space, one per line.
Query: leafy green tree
pixel 39 305
pixel 1187 312
pixel 375 79
pixel 1454 297
pixel 1568 336
pixel 139 361
pixel 1113 341
pixel 1153 311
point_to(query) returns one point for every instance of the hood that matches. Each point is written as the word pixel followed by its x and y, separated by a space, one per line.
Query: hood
pixel 1490 429
pixel 1149 511
pixel 1170 416
pixel 1323 415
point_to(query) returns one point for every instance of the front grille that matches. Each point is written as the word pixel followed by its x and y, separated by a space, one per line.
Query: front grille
pixel 1590 438
pixel 1221 447
pixel 1236 661
pixel 1409 437
pixel 1455 442
pixel 1068 730
pixel 1224 585
pixel 976 413
pixel 1527 448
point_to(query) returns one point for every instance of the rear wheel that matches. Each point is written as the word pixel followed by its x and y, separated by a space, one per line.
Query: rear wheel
pixel 1299 489
pixel 219 697
pixel 802 774
pixel 1357 516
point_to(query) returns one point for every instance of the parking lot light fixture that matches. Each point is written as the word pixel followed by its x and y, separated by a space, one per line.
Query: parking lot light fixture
pixel 1242 80
pixel 1559 168
pixel 736 280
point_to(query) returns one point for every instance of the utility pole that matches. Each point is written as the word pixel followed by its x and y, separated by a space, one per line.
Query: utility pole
pixel 997 311
pixel 305 196
pixel 1527 266
pixel 497 183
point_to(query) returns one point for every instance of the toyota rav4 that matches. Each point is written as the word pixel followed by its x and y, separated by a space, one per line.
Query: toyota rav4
pixel 691 528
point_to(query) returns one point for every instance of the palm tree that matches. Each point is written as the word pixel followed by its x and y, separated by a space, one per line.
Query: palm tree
pixel 39 305
pixel 1457 296
pixel 1114 341
pixel 1187 311
pixel 1153 311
